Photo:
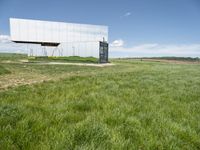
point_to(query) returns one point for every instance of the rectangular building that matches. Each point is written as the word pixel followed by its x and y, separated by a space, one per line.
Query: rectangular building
pixel 59 38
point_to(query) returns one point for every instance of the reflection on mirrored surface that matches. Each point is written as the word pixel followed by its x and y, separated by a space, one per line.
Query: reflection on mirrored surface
pixel 75 39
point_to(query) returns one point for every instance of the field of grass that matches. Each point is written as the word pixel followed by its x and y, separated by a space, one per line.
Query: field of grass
pixel 131 105
pixel 3 70
pixel 64 59
pixel 12 57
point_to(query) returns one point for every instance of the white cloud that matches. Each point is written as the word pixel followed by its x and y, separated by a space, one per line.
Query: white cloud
pixel 127 14
pixel 117 43
pixel 154 49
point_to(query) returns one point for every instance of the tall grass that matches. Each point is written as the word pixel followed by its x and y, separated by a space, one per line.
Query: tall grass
pixel 3 70
pixel 133 105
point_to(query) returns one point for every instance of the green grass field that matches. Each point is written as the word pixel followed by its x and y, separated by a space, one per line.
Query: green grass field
pixel 131 105
pixel 12 57
pixel 64 59
pixel 3 70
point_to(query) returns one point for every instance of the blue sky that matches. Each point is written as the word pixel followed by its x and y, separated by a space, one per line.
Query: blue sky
pixel 136 27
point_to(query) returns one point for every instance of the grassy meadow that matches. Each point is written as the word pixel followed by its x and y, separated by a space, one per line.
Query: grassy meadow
pixel 76 59
pixel 131 105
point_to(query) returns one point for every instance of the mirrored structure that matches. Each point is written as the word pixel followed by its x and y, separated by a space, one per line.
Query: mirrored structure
pixel 47 38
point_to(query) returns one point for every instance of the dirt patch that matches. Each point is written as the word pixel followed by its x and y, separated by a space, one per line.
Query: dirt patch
pixel 8 81
pixel 20 77
pixel 77 64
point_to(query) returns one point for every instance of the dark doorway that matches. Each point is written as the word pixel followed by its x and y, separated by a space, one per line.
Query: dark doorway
pixel 103 52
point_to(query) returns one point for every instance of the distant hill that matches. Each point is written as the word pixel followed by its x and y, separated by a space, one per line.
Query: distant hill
pixel 177 58
pixel 167 58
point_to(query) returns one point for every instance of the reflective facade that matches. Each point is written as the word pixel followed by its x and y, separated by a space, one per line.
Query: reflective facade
pixel 75 39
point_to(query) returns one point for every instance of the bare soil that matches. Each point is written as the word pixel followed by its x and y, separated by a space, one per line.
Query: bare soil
pixel 17 78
